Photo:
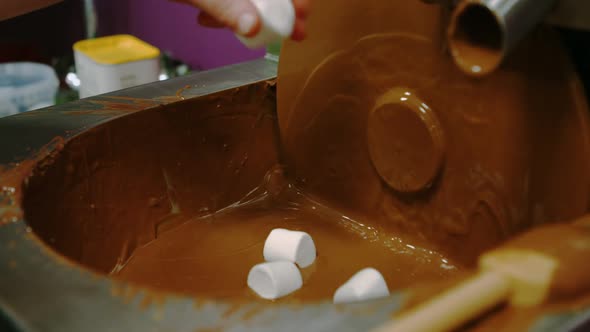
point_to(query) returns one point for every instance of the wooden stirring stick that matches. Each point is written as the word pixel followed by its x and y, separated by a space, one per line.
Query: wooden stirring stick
pixel 455 306
pixel 526 271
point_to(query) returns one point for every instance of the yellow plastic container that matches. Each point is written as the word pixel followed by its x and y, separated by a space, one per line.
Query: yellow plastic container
pixel 114 62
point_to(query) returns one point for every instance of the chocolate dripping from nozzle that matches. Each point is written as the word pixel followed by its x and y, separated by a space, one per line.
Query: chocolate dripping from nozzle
pixel 482 32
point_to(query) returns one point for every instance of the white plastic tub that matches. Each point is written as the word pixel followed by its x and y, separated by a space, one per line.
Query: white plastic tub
pixel 116 62
pixel 25 86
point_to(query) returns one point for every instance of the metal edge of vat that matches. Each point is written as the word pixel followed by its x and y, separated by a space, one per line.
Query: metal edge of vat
pixel 39 291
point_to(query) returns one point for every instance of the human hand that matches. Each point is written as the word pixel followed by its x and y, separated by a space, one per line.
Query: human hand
pixel 242 17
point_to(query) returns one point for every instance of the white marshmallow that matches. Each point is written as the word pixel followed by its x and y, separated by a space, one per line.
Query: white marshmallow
pixel 365 285
pixel 274 279
pixel 277 18
pixel 292 246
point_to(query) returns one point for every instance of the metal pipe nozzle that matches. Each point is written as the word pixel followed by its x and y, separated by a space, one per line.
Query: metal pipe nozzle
pixel 482 32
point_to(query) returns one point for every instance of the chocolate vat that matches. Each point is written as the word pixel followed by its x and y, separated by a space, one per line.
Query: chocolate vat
pixel 129 151
pixel 51 287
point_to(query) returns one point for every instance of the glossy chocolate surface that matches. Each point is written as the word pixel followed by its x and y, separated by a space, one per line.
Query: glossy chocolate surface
pixel 384 152
pixel 377 120
pixel 182 198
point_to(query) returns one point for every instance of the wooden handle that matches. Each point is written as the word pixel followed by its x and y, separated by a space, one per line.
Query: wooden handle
pixel 454 307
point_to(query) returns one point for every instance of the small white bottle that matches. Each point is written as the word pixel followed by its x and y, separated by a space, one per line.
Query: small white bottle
pixel 277 19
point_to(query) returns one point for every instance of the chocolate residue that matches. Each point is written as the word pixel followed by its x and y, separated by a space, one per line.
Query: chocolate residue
pixel 510 139
pixel 181 91
pixel 500 169
pixel 181 197
pixel 113 187
pixel 15 175
pixel 186 205
pixel 210 256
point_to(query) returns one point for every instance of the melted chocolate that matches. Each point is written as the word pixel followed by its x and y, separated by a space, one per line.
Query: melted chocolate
pixel 568 244
pixel 182 198
pixel 115 187
pixel 171 197
pixel 210 256
pixel 482 160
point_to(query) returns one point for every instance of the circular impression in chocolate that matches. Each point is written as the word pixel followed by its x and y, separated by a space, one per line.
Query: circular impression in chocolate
pixel 405 140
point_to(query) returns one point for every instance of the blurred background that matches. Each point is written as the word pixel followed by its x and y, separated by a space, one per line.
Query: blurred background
pixel 47 36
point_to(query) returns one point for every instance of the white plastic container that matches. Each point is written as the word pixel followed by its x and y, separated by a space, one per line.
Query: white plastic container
pixel 115 62
pixel 26 86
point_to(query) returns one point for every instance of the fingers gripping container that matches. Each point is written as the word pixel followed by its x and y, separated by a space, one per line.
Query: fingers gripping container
pixel 26 86
pixel 277 19
pixel 115 62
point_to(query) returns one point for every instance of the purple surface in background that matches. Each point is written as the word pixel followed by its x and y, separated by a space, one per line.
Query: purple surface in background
pixel 173 28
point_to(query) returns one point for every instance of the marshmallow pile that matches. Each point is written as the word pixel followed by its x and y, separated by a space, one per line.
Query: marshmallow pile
pixel 279 276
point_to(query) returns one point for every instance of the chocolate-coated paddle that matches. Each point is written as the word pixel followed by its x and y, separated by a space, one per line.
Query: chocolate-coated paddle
pixel 543 264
